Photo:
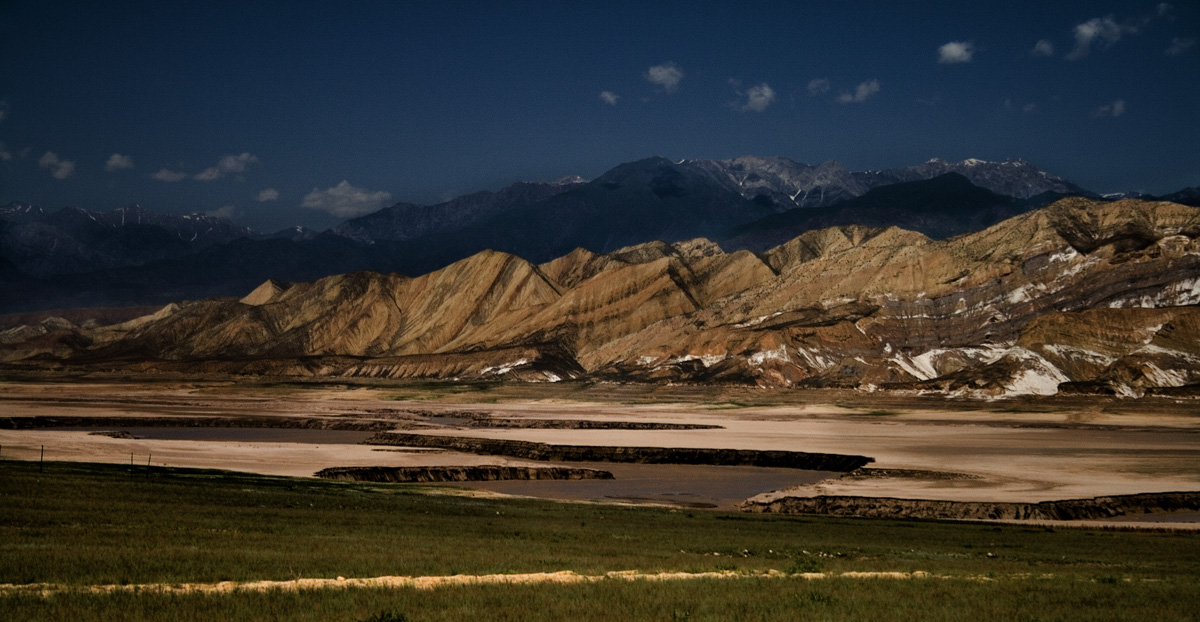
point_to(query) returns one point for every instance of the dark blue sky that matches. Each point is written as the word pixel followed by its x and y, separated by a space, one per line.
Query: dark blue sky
pixel 422 101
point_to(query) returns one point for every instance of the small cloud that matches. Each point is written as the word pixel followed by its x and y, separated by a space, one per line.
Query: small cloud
pixel 117 162
pixel 1115 109
pixel 230 164
pixel 169 175
pixel 956 52
pixel 3 110
pixel 5 154
pixel 861 93
pixel 1042 48
pixel 225 212
pixel 1030 107
pixel 609 97
pixel 1165 9
pixel 1179 46
pixel 1103 30
pixel 345 201
pixel 60 169
pixel 270 194
pixel 818 86
pixel 666 75
pixel 758 98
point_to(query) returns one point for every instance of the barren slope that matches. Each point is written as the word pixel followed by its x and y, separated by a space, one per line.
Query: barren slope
pixel 1082 296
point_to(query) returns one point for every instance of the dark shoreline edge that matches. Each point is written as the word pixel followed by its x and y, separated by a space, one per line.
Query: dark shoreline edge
pixel 481 473
pixel 643 455
pixel 1065 509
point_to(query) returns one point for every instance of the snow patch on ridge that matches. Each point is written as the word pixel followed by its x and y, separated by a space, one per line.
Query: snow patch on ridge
pixel 1071 352
pixel 1178 294
pixel 1040 377
pixel 1164 377
pixel 778 354
pixel 500 370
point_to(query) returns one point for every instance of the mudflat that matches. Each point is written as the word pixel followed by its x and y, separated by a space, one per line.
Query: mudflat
pixel 1024 451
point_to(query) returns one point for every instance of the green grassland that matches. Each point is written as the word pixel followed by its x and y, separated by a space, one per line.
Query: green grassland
pixel 84 524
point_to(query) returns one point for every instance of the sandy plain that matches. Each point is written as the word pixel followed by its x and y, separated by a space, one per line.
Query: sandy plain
pixel 1020 452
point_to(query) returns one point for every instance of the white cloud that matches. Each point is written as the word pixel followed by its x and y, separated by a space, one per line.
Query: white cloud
pixel 666 75
pixel 1042 48
pixel 60 169
pixel 1030 107
pixel 1179 46
pixel 861 93
pixel 5 154
pixel 1115 109
pixel 169 175
pixel 230 164
pixel 1165 9
pixel 758 98
pixel 270 194
pixel 818 86
pixel 225 212
pixel 1104 30
pixel 117 162
pixel 956 52
pixel 345 201
pixel 609 97
pixel 3 110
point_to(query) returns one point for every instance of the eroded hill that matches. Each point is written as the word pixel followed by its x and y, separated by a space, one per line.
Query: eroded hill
pixel 1079 296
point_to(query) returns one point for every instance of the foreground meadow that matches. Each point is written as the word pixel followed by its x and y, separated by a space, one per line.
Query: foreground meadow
pixel 73 526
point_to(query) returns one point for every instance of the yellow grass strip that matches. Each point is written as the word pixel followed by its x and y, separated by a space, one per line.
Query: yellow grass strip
pixel 434 582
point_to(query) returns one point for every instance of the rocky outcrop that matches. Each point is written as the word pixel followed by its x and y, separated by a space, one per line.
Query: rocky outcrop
pixel 483 473
pixel 642 455
pixel 1069 509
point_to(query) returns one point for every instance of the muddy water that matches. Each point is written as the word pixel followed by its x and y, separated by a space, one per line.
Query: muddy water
pixel 695 486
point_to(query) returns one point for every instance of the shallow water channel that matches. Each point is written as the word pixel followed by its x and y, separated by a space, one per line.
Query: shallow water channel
pixel 687 485
pixel 693 486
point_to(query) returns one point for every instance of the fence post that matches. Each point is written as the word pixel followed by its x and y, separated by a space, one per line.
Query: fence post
pixel 42 460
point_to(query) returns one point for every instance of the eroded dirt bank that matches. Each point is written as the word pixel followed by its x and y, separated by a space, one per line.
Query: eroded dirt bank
pixel 482 473
pixel 1068 509
pixel 530 450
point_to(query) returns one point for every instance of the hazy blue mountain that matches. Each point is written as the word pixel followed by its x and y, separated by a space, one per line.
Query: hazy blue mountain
pixel 73 240
pixel 944 206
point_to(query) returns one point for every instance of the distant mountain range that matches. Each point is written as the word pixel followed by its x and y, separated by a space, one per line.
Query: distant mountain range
pixel 787 183
pixel 73 240
pixel 1082 296
pixel 130 256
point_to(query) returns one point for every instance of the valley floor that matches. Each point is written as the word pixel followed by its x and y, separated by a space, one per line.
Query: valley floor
pixel 1007 451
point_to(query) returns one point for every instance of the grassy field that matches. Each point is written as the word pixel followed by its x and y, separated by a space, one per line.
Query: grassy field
pixel 84 524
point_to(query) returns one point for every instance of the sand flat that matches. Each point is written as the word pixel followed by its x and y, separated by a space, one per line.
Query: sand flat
pixel 1054 453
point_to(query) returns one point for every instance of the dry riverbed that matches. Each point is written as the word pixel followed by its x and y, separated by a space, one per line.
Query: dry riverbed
pixel 922 449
